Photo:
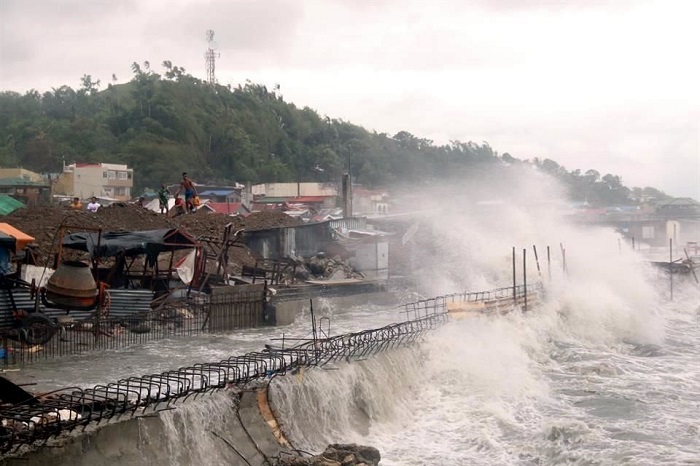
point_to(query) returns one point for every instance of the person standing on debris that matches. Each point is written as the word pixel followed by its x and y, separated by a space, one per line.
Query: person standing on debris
pixel 76 204
pixel 93 205
pixel 163 196
pixel 187 186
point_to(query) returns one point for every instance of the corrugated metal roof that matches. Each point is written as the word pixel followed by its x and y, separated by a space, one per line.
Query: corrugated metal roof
pixel 302 199
pixel 681 202
pixel 19 181
pixel 293 199
pixel 271 200
pixel 9 204
pixel 217 192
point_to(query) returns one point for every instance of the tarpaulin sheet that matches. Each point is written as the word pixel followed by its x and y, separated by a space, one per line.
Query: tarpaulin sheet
pixel 13 239
pixel 131 243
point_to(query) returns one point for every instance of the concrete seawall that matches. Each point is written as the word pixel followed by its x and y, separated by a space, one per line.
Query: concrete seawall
pixel 226 427
pixel 223 428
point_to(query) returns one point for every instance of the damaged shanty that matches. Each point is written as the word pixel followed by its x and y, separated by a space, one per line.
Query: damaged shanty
pixel 113 289
pixel 338 259
pixel 331 250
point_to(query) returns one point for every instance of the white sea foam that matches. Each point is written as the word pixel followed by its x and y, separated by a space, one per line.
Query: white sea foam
pixel 603 371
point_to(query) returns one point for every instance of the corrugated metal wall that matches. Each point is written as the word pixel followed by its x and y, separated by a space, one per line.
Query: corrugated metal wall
pixel 122 303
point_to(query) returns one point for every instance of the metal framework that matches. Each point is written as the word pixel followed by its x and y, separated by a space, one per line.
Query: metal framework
pixel 40 419
pixel 130 319
pixel 67 410
pixel 440 304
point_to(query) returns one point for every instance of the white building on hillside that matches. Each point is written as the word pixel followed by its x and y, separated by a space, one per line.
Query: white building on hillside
pixel 102 180
pixel 294 189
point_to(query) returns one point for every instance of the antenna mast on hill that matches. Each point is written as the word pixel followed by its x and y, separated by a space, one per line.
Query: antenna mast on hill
pixel 210 55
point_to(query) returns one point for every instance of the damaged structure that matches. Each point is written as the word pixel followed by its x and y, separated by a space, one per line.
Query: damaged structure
pixel 109 289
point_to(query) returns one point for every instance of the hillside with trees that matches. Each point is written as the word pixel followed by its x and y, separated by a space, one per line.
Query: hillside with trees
pixel 161 124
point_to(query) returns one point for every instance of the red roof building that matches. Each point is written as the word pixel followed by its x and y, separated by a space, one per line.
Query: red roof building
pixel 228 208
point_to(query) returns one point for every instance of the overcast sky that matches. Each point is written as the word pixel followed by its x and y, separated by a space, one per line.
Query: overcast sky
pixel 609 85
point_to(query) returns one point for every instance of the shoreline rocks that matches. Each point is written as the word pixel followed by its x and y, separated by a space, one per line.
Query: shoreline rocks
pixel 337 455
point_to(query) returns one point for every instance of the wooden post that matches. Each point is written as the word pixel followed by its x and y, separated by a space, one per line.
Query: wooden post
pixel 537 261
pixel 675 233
pixel 515 296
pixel 670 265
pixel 313 329
pixel 690 263
pixel 525 277
pixel 563 257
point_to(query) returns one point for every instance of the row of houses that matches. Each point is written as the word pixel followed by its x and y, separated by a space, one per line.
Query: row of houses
pixel 108 181
pixel 311 202
pixel 114 183
pixel 678 219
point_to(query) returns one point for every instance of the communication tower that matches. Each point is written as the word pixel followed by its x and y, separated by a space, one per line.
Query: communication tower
pixel 210 56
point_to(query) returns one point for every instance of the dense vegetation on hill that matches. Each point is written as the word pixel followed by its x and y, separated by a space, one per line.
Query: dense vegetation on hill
pixel 163 124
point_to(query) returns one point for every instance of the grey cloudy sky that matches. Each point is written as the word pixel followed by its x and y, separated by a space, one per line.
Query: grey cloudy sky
pixel 609 85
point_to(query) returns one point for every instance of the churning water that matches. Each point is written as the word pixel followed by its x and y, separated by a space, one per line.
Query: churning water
pixel 597 380
pixel 605 371
pixel 530 389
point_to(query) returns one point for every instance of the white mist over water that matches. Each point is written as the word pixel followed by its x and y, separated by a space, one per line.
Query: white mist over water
pixel 520 389
pixel 605 371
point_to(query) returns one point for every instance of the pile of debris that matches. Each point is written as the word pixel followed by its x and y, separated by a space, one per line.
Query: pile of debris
pixel 337 455
pixel 44 224
pixel 320 267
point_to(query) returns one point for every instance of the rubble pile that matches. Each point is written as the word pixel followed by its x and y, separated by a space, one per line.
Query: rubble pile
pixel 320 267
pixel 337 455
pixel 44 224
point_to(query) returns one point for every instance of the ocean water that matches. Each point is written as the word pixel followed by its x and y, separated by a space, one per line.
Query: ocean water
pixel 542 388
pixel 568 383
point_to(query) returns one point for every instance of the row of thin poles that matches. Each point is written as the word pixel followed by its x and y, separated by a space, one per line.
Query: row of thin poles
pixel 539 270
